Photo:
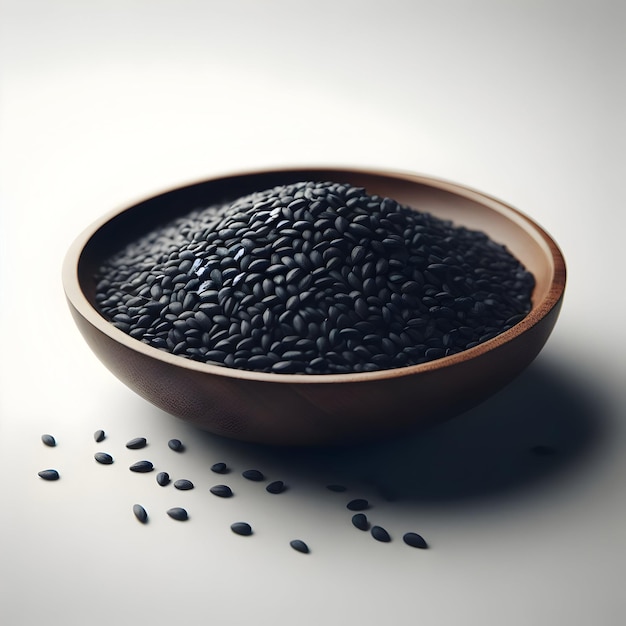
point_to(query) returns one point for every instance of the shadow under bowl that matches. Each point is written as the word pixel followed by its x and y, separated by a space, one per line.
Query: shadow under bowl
pixel 298 409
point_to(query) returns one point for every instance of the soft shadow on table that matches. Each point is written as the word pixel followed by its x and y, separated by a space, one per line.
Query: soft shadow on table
pixel 545 422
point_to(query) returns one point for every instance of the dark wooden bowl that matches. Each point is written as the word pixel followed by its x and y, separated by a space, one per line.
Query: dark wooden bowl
pixel 335 408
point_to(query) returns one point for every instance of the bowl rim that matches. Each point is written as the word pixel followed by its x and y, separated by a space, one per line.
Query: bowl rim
pixel 539 310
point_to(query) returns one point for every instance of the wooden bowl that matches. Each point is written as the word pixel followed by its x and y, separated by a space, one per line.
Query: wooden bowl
pixel 294 409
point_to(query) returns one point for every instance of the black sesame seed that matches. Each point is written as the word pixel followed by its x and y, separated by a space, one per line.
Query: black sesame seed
pixel 49 474
pixel 414 540
pixel 137 443
pixel 183 484
pixel 176 445
pixel 219 468
pixel 178 513
pixel 48 440
pixel 140 513
pixel 284 367
pixel 163 478
pixel 141 467
pixel 336 488
pixel 357 255
pixel 253 474
pixel 359 520
pixel 380 534
pixel 103 458
pixel 222 491
pixel 278 486
pixel 359 504
pixel 299 546
pixel 99 436
pixel 241 528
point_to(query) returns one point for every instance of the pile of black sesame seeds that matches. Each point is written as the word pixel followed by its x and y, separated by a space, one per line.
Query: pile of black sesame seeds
pixel 314 278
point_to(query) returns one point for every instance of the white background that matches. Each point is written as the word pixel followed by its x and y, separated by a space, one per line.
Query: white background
pixel 103 103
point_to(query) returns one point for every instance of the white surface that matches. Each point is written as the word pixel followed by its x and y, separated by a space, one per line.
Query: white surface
pixel 102 103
